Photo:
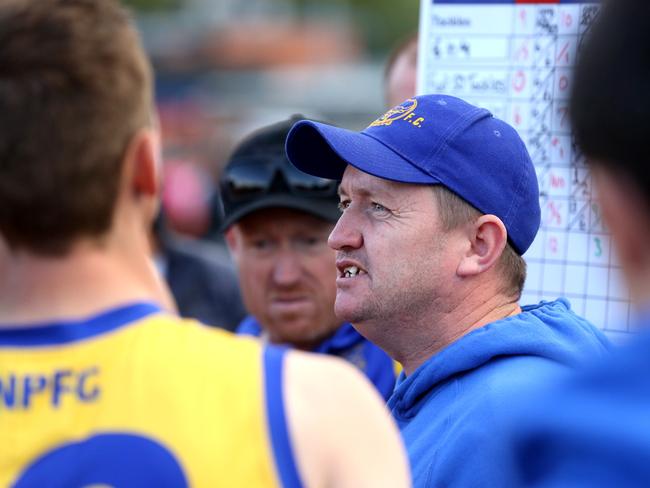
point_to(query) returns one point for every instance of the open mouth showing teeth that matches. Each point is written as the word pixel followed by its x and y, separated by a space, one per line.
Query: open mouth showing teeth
pixel 352 271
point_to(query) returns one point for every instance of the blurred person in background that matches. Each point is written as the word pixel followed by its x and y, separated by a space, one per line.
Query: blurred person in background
pixel 199 272
pixel 593 429
pixel 277 221
pixel 102 384
pixel 400 73
pixel 200 276
pixel 440 201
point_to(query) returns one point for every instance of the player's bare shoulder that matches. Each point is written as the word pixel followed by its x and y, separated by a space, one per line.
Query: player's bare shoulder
pixel 341 431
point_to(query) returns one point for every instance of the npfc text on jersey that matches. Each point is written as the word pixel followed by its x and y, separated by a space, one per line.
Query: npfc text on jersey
pixel 19 391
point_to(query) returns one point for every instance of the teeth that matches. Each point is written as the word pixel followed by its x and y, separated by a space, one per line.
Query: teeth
pixel 350 271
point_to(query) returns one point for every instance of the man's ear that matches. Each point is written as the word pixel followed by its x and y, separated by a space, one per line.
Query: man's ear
pixel 143 158
pixel 232 240
pixel 142 167
pixel 141 174
pixel 487 239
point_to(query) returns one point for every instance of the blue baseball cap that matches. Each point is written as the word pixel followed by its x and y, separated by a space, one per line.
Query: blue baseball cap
pixel 433 140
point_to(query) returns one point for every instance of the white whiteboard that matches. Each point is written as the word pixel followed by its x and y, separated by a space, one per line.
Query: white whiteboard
pixel 516 60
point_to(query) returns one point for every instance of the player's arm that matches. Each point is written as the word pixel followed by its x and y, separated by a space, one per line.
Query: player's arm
pixel 342 434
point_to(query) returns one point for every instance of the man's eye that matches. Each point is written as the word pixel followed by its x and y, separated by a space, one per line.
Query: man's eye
pixel 309 241
pixel 379 207
pixel 262 244
pixel 343 205
pixel 308 244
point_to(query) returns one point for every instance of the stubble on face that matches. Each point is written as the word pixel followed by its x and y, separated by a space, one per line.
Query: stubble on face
pixel 398 294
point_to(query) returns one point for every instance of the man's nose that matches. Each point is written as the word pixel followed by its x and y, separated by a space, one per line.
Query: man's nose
pixel 346 233
pixel 287 268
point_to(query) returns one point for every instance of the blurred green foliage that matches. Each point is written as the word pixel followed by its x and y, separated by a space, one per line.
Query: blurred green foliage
pixel 382 23
pixel 154 5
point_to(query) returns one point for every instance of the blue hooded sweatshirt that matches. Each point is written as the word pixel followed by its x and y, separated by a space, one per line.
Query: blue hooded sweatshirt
pixel 347 344
pixel 451 409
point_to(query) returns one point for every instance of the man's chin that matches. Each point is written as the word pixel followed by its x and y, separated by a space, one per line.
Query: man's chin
pixel 349 312
pixel 302 336
pixel 291 310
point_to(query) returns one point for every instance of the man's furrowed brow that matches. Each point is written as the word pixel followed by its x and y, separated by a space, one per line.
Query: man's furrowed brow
pixel 360 191
pixel 376 191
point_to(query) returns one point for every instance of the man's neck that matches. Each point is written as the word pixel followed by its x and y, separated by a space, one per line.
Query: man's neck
pixel 423 336
pixel 88 280
pixel 454 326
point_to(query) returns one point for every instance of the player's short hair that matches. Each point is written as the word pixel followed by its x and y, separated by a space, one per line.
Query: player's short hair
pixel 610 101
pixel 75 86
pixel 454 211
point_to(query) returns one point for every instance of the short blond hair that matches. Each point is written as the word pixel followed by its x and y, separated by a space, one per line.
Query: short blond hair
pixel 454 212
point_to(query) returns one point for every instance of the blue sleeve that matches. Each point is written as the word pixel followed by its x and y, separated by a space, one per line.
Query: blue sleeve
pixel 276 414
pixel 587 433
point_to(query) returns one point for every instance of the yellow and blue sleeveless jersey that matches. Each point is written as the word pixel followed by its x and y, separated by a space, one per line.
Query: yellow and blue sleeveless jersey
pixel 136 397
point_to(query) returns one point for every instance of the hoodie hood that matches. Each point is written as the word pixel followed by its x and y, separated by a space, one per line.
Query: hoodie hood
pixel 548 330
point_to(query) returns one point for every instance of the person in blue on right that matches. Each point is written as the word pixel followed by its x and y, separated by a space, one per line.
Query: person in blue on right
pixel 439 202
pixel 594 429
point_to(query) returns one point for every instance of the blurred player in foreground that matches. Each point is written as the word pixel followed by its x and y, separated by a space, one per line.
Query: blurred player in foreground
pixel 593 429
pixel 100 383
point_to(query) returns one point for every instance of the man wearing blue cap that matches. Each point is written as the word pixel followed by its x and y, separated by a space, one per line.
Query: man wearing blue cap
pixel 439 201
